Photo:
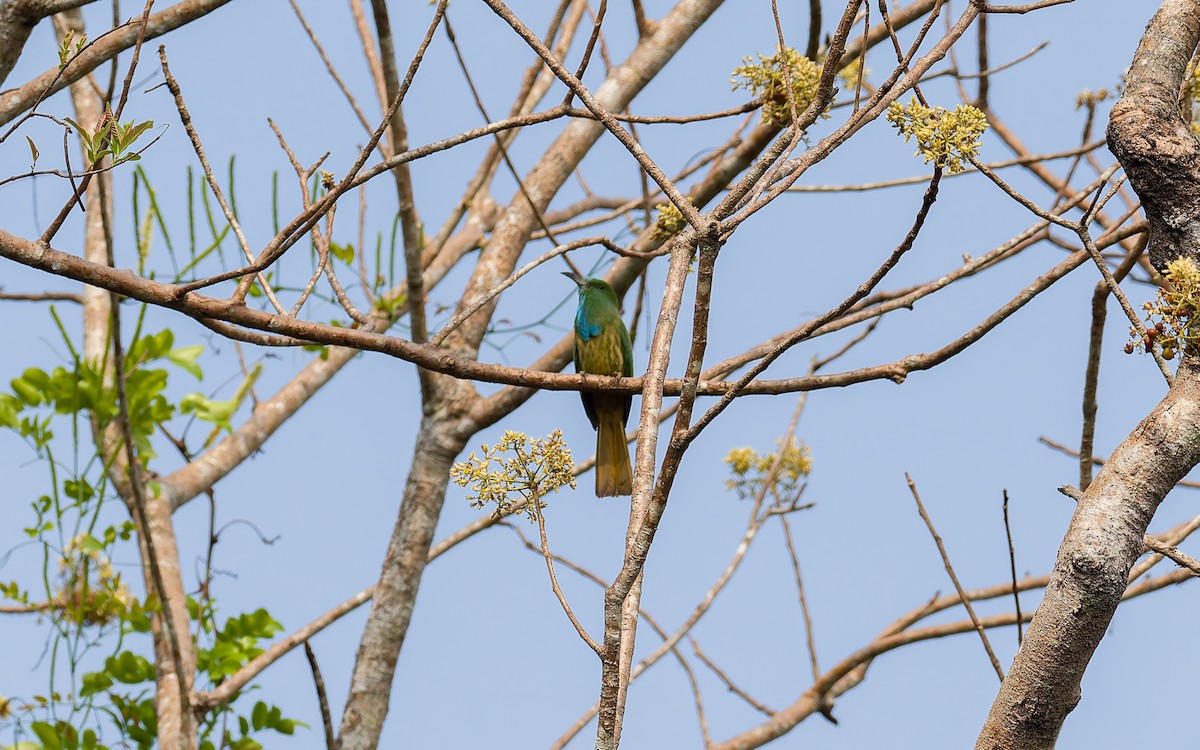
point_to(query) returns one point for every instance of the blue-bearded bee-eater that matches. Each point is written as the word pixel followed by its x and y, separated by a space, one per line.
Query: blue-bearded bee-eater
pixel 603 347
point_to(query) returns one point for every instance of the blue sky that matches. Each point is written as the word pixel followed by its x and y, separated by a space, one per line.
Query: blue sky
pixel 490 656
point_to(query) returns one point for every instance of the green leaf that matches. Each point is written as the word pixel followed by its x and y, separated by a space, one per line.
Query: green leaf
pixel 130 132
pixel 28 392
pixel 82 491
pixel 90 543
pixel 344 253
pixel 9 408
pixel 185 358
pixel 95 682
pixel 49 736
pixel 219 412
pixel 129 668
pixel 258 717
pixel 78 128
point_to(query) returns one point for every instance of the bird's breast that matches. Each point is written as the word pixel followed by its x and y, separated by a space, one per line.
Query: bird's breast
pixel 601 353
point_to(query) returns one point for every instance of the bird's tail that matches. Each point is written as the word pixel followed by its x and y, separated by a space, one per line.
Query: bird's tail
pixel 613 473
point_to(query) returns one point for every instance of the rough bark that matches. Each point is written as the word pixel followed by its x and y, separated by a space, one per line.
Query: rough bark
pixel 437 445
pixel 1102 542
pixel 1159 153
pixel 1147 133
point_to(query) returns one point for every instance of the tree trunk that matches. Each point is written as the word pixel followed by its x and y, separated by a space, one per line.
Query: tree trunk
pixel 1160 155
pixel 438 443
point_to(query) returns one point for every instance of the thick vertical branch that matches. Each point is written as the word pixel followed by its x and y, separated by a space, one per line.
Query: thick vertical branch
pixel 1103 541
pixel 1161 157
pixel 622 598
pixel 392 606
pixel 410 223
pixel 175 658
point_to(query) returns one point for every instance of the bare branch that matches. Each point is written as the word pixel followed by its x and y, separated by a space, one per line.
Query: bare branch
pixel 322 699
pixel 103 49
pixel 987 646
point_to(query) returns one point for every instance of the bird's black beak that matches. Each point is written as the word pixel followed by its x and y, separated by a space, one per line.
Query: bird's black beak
pixel 578 279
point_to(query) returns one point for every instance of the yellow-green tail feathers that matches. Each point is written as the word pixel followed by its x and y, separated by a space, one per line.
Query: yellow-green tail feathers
pixel 613 474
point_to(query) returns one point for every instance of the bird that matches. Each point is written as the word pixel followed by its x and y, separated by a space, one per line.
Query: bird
pixel 603 347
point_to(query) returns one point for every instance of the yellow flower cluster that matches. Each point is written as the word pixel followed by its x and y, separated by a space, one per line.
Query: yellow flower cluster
pixel 771 78
pixel 516 472
pixel 670 220
pixel 751 469
pixel 1171 321
pixel 89 591
pixel 944 137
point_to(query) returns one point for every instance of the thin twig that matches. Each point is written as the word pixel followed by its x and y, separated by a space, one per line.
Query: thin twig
pixel 312 37
pixel 410 221
pixel 1097 461
pixel 957 586
pixel 1115 287
pixel 1024 8
pixel 1180 558
pixel 787 528
pixel 186 118
pixel 499 140
pixel 562 599
pixel 42 297
pixel 809 328
pixel 322 699
pixel 1091 380
pixel 922 179
pixel 1012 562
pixel 730 685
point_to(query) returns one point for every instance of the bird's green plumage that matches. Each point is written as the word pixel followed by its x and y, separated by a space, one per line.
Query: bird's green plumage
pixel 603 347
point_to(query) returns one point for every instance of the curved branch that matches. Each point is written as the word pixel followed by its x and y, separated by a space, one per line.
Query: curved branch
pixel 15 101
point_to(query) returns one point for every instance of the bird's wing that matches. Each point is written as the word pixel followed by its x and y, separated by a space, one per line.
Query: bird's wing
pixel 626 363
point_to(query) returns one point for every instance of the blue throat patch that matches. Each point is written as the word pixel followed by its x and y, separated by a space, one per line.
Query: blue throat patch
pixel 586 329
